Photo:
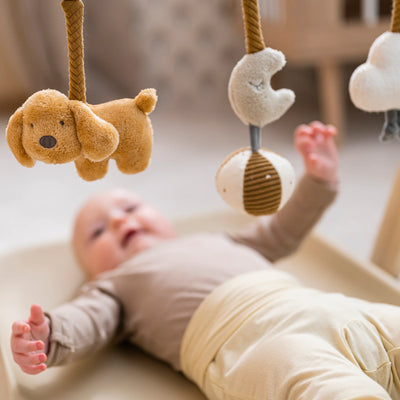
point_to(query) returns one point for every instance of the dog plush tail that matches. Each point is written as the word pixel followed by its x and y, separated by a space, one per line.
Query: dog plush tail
pixel 146 100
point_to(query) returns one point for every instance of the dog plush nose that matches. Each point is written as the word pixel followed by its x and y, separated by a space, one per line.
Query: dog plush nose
pixel 48 141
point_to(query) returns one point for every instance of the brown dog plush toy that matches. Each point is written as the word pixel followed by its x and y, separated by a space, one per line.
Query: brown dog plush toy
pixel 51 128
pixel 56 129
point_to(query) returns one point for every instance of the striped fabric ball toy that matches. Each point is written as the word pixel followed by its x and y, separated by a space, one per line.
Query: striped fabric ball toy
pixel 255 182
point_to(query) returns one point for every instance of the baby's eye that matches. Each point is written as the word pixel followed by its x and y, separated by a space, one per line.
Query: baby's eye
pixel 131 208
pixel 98 232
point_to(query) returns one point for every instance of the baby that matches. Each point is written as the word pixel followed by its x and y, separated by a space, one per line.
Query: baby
pixel 212 305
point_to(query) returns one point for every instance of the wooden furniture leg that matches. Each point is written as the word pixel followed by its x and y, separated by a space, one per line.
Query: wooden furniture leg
pixel 332 97
pixel 386 253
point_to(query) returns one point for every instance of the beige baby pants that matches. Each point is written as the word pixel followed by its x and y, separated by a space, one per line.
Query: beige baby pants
pixel 262 336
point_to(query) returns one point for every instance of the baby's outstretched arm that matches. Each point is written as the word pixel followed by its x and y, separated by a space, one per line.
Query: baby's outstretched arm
pixel 29 341
pixel 69 332
pixel 282 233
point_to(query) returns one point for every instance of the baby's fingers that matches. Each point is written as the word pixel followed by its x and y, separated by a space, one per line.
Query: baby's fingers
pixel 20 345
pixel 19 328
pixel 37 316
pixel 331 130
pixel 320 131
pixel 34 369
pixel 303 130
pixel 317 126
pixel 27 360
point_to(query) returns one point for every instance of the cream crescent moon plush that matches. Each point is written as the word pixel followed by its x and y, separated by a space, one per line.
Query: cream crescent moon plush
pixel 255 180
pixel 250 93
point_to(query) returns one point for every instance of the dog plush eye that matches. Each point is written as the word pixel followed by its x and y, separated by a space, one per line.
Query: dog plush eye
pixel 61 123
pixel 32 125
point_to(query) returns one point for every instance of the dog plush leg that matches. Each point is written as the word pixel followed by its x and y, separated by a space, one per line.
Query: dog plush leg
pixel 133 164
pixel 89 170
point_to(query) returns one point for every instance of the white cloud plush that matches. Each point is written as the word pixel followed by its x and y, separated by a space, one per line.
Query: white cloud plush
pixel 250 93
pixel 375 85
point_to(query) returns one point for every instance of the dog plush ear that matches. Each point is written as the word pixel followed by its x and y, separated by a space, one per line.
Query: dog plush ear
pixel 146 100
pixel 14 139
pixel 99 139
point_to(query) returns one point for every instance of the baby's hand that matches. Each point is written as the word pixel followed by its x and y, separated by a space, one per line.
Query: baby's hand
pixel 29 342
pixel 315 143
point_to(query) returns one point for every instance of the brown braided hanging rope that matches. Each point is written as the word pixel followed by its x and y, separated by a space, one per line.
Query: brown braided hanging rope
pixel 254 37
pixel 395 25
pixel 73 10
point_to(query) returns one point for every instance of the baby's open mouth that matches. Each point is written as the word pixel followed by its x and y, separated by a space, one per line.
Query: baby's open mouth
pixel 130 234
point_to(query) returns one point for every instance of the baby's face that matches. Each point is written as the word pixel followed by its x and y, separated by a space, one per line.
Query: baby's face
pixel 114 226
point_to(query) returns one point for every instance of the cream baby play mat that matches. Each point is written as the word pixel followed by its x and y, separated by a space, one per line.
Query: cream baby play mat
pixel 47 275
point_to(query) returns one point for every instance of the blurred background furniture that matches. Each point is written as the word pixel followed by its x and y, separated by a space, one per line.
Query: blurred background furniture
pixel 186 49
pixel 325 34
pixel 386 252
pixel 32 49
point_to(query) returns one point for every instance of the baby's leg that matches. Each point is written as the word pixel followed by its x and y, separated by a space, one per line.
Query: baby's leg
pixel 386 318
pixel 293 367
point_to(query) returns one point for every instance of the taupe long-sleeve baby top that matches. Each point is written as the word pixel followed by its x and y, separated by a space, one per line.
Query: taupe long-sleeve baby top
pixel 151 298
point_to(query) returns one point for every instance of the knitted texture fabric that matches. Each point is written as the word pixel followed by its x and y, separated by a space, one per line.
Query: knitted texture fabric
pixel 73 10
pixel 262 190
pixel 395 24
pixel 254 37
